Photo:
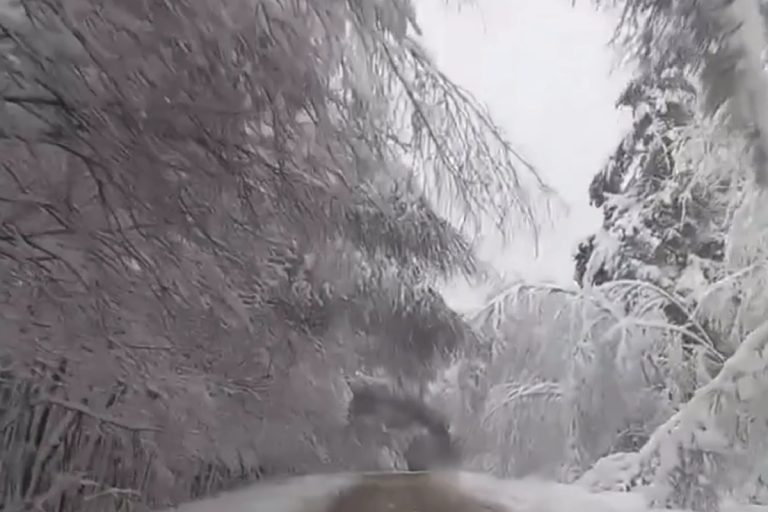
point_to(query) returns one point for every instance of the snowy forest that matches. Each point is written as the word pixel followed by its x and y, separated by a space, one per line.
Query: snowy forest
pixel 225 228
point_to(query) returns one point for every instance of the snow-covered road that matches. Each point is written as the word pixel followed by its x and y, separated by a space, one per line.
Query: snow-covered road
pixel 297 494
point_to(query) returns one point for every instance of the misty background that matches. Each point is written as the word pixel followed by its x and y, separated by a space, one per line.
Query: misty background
pixel 547 73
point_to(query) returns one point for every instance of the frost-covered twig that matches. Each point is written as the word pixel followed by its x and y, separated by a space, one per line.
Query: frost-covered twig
pixel 703 336
pixel 727 280
pixel 84 409
pixel 666 326
pixel 505 394
pixel 116 492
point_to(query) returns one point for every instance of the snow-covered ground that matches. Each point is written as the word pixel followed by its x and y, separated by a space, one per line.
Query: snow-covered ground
pixel 295 495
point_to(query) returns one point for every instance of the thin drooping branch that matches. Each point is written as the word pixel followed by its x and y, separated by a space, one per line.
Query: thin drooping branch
pixel 103 418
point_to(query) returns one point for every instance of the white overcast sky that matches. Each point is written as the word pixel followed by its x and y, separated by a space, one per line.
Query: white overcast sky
pixel 546 73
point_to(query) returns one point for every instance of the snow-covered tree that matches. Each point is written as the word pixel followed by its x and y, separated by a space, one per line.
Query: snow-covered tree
pixel 663 224
pixel 716 440
pixel 656 371
pixel 210 213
